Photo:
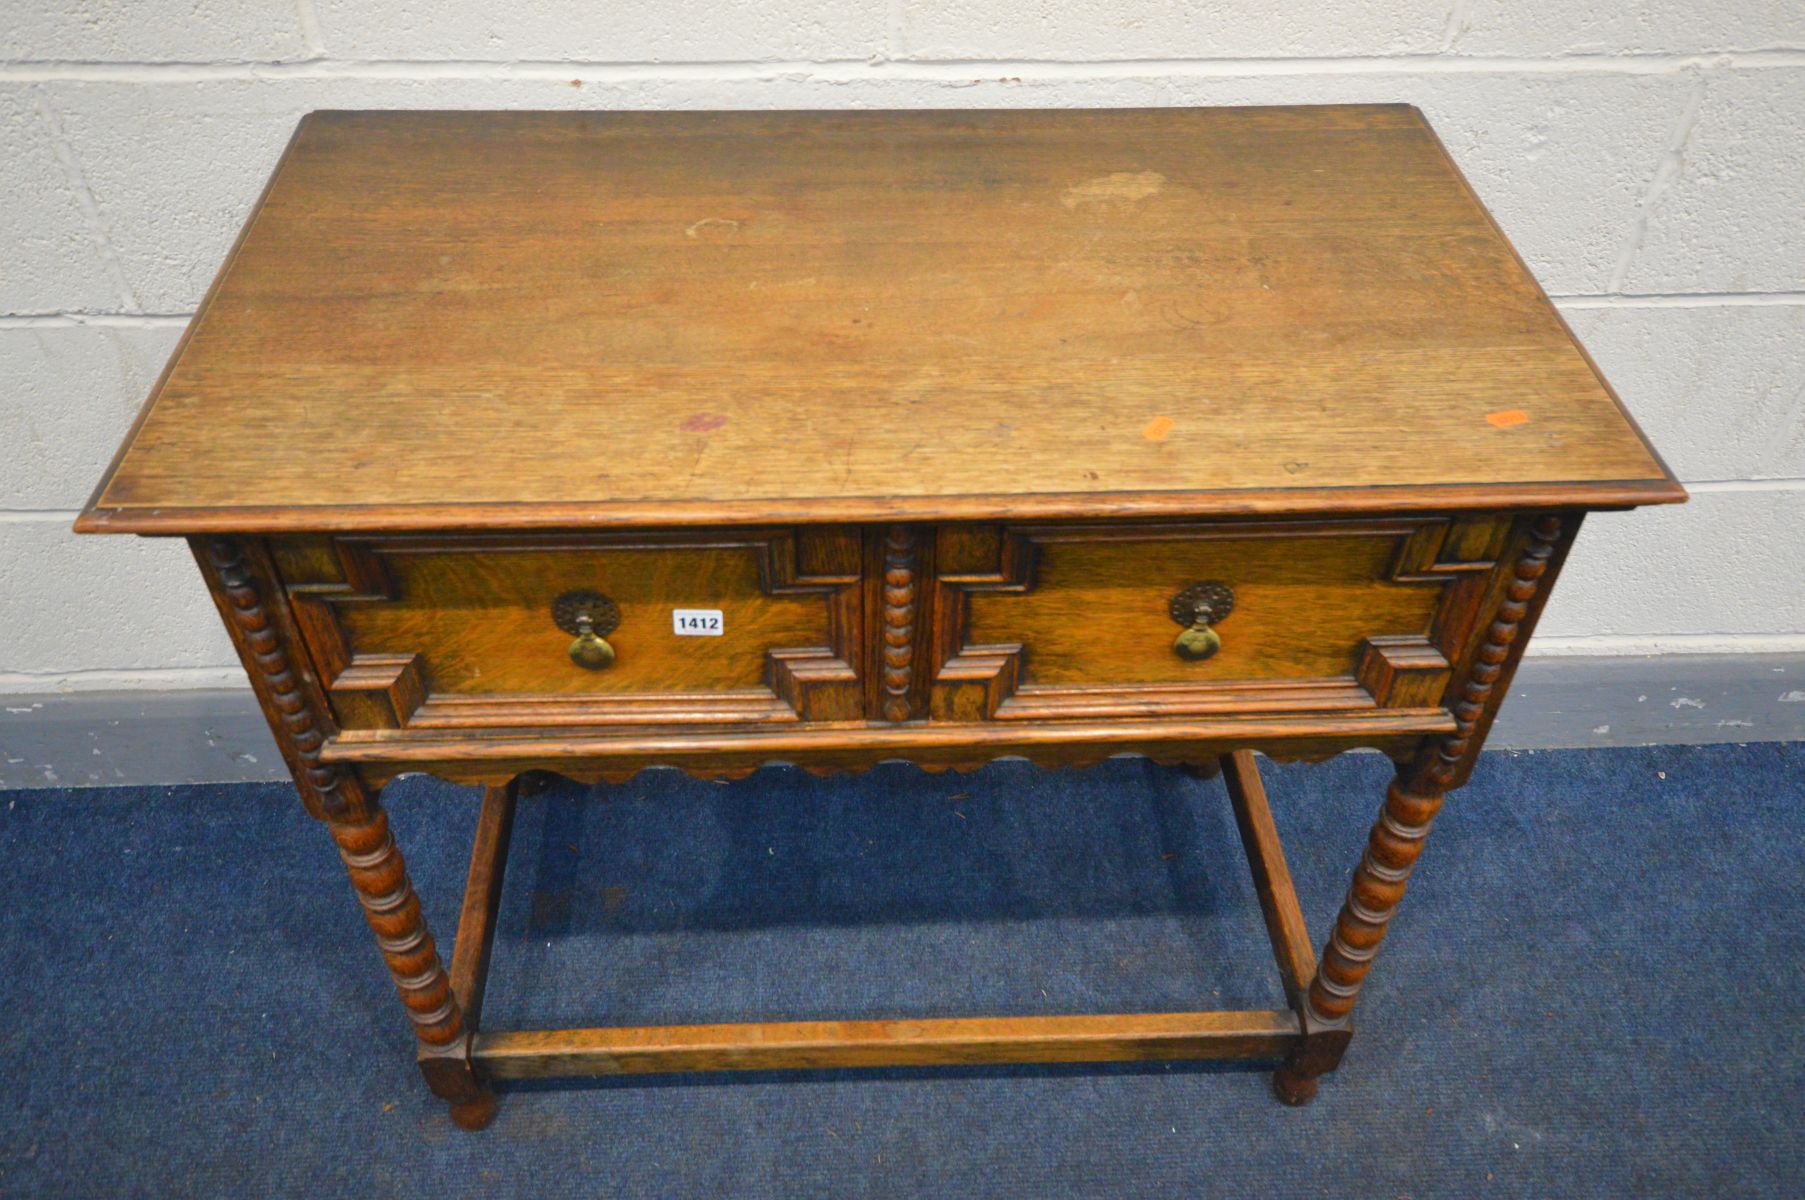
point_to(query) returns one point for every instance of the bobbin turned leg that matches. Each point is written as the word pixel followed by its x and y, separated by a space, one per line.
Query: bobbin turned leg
pixel 250 597
pixel 1396 842
pixel 379 876
pixel 1379 882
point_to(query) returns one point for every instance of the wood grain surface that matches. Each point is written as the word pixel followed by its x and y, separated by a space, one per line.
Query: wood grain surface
pixel 482 622
pixel 470 320
pixel 495 756
pixel 1098 610
pixel 799 1045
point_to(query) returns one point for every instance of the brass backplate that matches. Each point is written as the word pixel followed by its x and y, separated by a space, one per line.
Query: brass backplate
pixel 569 610
pixel 1208 602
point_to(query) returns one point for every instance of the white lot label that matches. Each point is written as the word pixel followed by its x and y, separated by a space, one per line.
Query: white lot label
pixel 696 622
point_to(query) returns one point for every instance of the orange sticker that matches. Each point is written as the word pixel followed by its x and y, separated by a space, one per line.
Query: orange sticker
pixel 1157 429
pixel 1505 418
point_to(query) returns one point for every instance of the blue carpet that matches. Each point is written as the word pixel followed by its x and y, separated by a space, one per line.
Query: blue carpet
pixel 1596 986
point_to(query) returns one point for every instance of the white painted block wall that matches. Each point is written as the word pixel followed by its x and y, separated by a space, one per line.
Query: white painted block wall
pixel 1647 156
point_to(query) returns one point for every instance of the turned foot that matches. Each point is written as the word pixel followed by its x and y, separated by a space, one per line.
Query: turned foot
pixel 476 1113
pixel 1293 1087
pixel 447 1072
pixel 1318 1053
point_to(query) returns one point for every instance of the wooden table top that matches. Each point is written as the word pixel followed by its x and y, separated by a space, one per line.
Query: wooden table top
pixel 482 320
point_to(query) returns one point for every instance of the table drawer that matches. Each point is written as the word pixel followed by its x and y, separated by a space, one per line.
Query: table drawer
pixel 1083 621
pixel 468 632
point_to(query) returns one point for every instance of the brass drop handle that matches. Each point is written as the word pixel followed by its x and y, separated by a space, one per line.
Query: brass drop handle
pixel 588 616
pixel 591 650
pixel 1199 608
pixel 1198 642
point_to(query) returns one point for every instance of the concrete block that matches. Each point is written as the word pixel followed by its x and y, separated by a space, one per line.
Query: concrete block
pixel 88 602
pixel 1720 390
pixel 71 394
pixel 1509 27
pixel 1093 30
pixel 49 258
pixel 189 31
pixel 1727 562
pixel 174 173
pixel 1730 219
pixel 574 31
pixel 175 168
pixel 1561 159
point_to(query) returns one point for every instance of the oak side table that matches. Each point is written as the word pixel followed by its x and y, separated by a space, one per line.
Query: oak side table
pixel 587 442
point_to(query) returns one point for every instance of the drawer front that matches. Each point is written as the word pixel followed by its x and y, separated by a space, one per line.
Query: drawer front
pixel 1076 621
pixel 441 632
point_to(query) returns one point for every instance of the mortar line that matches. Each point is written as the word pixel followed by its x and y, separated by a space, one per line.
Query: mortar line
pixel 1744 485
pixel 1630 644
pixel 73 320
pixel 1667 171
pixel 1679 299
pixel 310 28
pixel 1458 13
pixel 25 516
pixel 893 30
pixel 1569 300
pixel 26 685
pixel 843 69
pixel 84 200
pixel 15 684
